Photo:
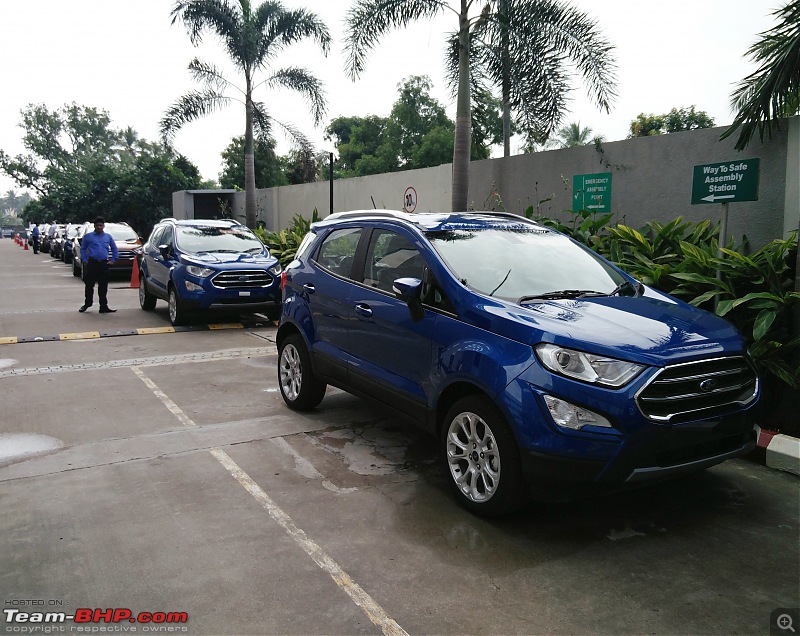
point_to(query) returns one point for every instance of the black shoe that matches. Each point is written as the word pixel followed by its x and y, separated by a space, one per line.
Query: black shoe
pixel 107 310
pixel 84 308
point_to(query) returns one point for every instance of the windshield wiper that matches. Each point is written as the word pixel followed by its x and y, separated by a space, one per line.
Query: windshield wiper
pixel 564 293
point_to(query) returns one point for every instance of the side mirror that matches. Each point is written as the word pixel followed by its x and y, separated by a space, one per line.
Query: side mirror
pixel 164 250
pixel 409 290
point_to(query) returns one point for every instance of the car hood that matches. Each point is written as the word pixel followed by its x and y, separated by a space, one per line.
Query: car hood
pixel 240 258
pixel 652 329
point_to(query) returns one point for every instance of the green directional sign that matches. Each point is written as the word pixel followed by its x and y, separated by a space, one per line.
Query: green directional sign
pixel 592 192
pixel 727 182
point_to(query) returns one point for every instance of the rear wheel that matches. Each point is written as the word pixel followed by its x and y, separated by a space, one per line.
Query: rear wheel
pixel 300 389
pixel 177 313
pixel 76 271
pixel 482 458
pixel 146 300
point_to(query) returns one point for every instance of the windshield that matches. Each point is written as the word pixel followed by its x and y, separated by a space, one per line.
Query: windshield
pixel 513 263
pixel 199 239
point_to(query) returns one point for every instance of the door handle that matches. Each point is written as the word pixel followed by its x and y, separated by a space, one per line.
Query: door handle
pixel 364 310
pixel 309 288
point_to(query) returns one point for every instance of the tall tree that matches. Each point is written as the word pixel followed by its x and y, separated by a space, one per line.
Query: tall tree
pixel 525 50
pixel 252 37
pixel 368 20
pixel 772 91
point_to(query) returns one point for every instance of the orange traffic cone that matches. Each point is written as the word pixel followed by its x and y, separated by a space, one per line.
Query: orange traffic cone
pixel 25 243
pixel 135 275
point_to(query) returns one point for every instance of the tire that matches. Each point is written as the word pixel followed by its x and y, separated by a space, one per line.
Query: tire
pixel 177 314
pixel 482 460
pixel 300 389
pixel 76 271
pixel 146 300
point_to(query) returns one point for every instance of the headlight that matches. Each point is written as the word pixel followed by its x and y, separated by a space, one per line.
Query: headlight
pixel 202 272
pixel 276 269
pixel 587 367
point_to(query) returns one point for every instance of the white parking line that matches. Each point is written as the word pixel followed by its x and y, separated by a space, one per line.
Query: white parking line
pixel 373 610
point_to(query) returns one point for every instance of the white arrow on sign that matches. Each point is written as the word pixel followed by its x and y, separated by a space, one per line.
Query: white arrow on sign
pixel 713 197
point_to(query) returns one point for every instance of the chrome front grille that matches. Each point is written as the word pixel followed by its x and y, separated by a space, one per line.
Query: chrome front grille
pixel 698 389
pixel 242 279
pixel 124 255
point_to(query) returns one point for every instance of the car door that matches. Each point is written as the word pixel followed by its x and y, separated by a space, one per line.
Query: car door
pixel 157 265
pixel 391 351
pixel 326 288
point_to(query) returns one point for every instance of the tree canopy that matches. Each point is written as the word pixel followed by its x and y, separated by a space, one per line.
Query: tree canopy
pixel 416 134
pixel 81 167
pixel 676 120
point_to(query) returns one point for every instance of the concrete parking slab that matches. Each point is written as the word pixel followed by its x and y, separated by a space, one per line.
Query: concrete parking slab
pixel 183 484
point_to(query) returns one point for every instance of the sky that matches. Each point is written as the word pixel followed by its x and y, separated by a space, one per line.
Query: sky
pixel 126 58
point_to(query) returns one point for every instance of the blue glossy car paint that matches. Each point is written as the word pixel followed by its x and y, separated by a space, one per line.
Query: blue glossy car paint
pixel 486 345
pixel 162 269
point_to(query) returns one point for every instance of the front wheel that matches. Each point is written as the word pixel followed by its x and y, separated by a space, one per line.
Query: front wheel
pixel 146 300
pixel 300 389
pixel 482 458
pixel 177 314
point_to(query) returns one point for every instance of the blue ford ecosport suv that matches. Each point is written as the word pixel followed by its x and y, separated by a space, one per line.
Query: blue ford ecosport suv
pixel 201 264
pixel 541 367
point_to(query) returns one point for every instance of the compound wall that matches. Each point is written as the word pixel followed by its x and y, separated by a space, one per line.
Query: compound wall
pixel 651 180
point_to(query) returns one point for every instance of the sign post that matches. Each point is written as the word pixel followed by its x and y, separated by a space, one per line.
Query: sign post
pixel 727 182
pixel 592 192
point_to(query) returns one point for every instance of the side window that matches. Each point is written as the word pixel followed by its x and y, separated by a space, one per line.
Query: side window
pixel 167 237
pixel 391 256
pixel 155 240
pixel 337 252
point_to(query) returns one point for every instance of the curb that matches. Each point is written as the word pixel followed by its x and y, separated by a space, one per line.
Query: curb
pixel 782 451
pixel 145 331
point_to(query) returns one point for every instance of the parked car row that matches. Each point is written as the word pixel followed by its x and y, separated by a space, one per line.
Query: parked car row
pixel 127 240
pixel 65 245
pixel 196 265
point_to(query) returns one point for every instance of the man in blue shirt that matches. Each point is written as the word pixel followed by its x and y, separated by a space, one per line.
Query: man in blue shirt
pixel 95 248
pixel 35 233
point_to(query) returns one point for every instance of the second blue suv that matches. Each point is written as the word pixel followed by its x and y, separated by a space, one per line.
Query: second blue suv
pixel 540 367
pixel 201 264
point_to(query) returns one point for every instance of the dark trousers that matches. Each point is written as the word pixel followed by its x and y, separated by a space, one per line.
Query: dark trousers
pixel 96 272
pixel 35 244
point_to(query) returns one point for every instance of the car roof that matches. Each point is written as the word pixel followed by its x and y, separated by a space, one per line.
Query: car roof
pixel 436 221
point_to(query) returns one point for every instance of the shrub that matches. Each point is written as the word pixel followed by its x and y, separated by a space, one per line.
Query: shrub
pixel 283 244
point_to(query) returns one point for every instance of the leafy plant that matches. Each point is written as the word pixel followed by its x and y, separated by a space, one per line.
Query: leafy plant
pixel 755 291
pixel 284 243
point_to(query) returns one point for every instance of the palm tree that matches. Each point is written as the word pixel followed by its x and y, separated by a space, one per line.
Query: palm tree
pixel 252 37
pixel 519 44
pixel 523 51
pixel 573 135
pixel 367 20
pixel 773 91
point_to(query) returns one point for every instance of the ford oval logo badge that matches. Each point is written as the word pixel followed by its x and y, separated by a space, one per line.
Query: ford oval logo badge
pixel 706 386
